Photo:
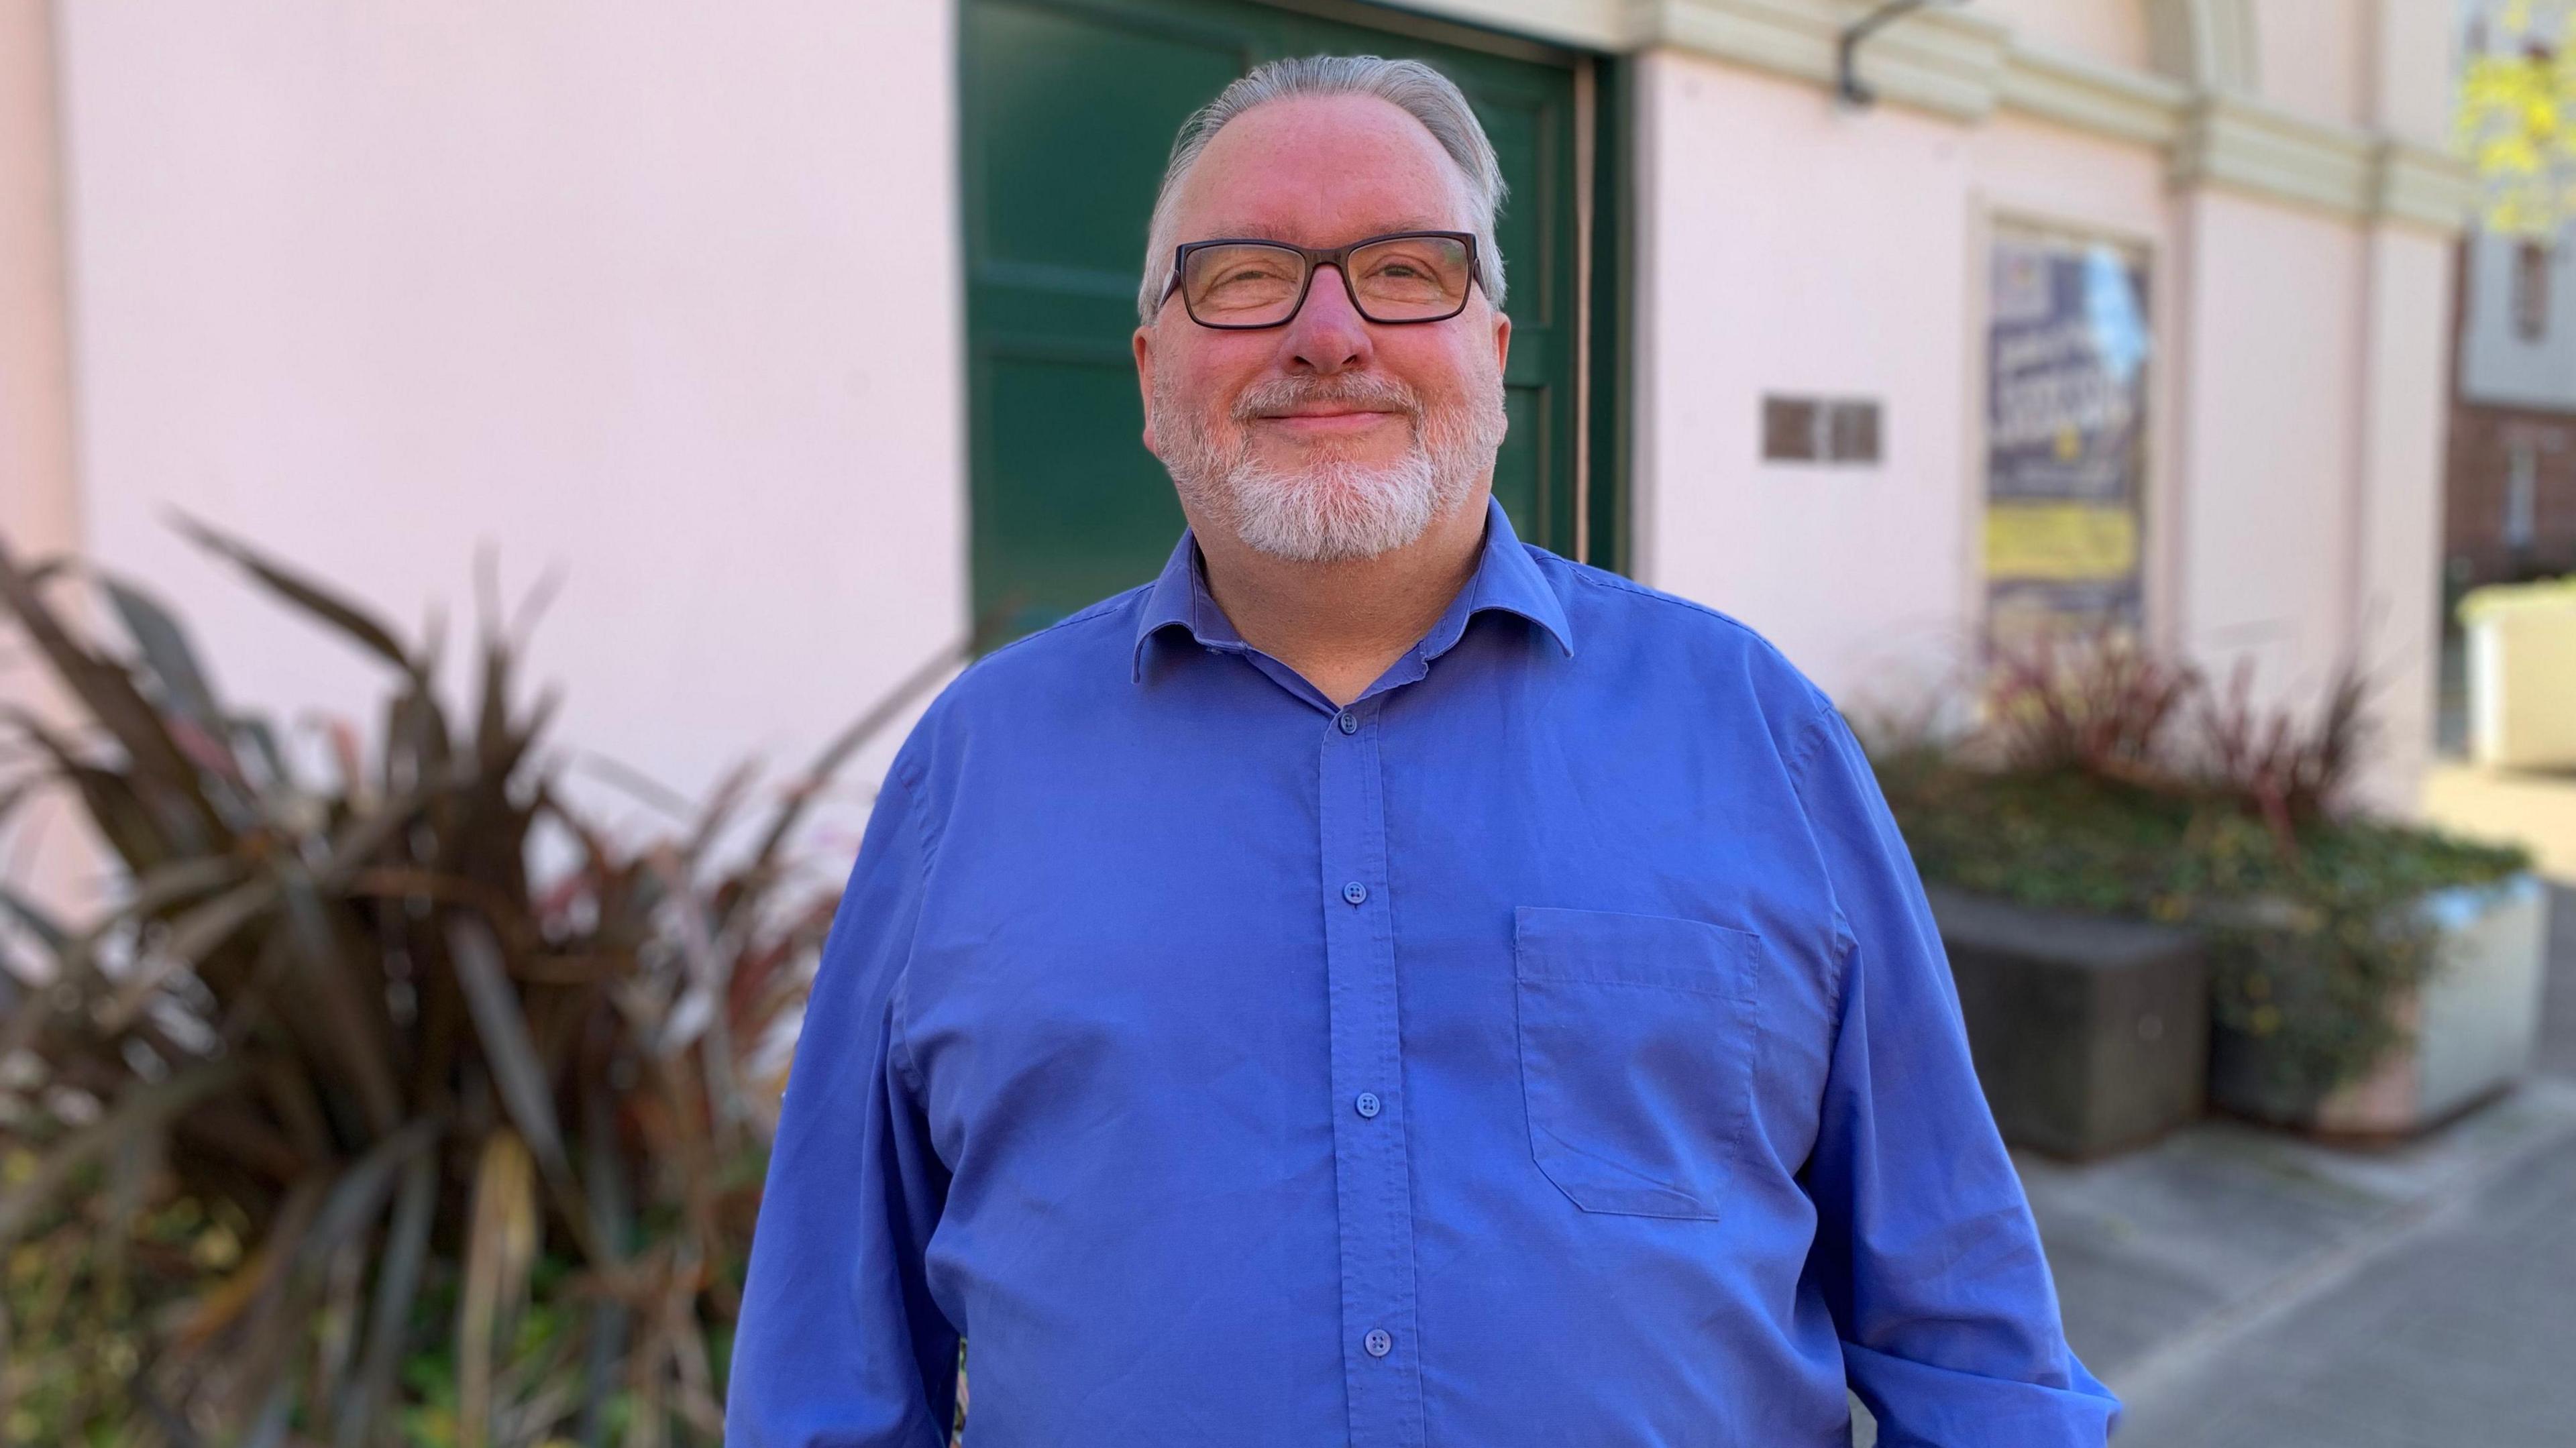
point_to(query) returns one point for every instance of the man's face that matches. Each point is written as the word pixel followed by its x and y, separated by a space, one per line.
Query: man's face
pixel 1331 437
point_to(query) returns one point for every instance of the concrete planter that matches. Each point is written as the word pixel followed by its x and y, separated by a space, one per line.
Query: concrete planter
pixel 2471 1029
pixel 2090 1033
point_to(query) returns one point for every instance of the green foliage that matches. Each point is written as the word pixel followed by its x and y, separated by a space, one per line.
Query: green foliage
pixel 2078 795
pixel 343 1127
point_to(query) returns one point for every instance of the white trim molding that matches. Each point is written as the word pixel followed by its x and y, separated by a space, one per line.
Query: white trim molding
pixel 1604 25
pixel 2106 100
pixel 2420 186
pixel 1947 62
pixel 2208 43
pixel 2246 146
pixel 1962 66
pixel 2243 145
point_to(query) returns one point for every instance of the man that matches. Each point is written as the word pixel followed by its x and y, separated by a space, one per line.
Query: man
pixel 1382 983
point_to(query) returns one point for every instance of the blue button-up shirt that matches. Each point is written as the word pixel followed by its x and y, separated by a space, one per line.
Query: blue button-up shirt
pixel 1552 1047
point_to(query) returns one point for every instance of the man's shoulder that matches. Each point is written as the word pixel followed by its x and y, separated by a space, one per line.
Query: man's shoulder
pixel 1059 665
pixel 1076 642
pixel 1633 621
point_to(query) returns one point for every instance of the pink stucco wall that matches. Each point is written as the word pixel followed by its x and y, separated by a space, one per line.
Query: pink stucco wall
pixel 1797 247
pixel 42 846
pixel 2405 411
pixel 2112 32
pixel 39 505
pixel 2275 329
pixel 2315 56
pixel 1773 261
pixel 1794 246
pixel 661 294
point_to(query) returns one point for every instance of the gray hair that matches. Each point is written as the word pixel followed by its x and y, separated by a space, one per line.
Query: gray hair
pixel 1409 85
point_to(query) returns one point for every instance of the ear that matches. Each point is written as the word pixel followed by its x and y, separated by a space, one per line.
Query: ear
pixel 1502 341
pixel 1143 343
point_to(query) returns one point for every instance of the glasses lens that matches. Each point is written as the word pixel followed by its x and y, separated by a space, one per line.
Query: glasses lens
pixel 1242 284
pixel 1409 278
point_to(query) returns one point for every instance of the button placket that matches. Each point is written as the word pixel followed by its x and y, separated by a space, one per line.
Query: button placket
pixel 1372 1177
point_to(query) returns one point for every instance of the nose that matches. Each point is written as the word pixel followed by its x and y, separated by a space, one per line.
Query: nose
pixel 1328 334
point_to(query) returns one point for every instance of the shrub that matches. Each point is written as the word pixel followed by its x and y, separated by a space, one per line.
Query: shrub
pixel 2108 782
pixel 343 1126
pixel 2097 704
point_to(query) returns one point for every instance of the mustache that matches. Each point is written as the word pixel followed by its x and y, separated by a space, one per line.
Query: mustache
pixel 1351 389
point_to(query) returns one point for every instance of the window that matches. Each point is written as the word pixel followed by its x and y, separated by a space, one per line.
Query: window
pixel 2531 261
pixel 2521 485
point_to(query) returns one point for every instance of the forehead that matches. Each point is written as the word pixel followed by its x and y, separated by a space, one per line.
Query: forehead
pixel 1320 170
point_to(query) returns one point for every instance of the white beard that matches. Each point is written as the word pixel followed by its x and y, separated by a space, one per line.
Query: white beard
pixel 1337 509
pixel 1333 510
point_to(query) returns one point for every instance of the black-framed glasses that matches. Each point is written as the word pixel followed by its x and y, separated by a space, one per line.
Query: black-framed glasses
pixel 1243 283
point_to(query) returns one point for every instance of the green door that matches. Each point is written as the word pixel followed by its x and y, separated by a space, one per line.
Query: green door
pixel 1070 107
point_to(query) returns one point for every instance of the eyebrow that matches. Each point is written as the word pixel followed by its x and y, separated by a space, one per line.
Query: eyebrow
pixel 1264 233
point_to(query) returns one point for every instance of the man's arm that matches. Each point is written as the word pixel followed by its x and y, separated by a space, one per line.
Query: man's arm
pixel 839 1343
pixel 1924 1241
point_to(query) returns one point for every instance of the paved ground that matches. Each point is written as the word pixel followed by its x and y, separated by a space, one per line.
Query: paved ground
pixel 2241 1288
pixel 2536 808
pixel 2464 1332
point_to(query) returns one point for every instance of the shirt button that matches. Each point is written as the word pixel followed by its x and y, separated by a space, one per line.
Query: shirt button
pixel 1355 892
pixel 1367 1103
pixel 1349 722
pixel 1377 1342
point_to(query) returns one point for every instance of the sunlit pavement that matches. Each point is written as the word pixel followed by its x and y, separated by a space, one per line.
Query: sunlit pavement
pixel 2534 809
pixel 2244 1287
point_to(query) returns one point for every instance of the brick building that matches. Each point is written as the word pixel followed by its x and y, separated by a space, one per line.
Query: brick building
pixel 2509 494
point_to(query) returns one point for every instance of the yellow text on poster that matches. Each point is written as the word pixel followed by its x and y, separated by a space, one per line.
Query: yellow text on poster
pixel 2061 542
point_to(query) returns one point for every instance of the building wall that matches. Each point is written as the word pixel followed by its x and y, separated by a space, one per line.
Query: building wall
pixel 2409 58
pixel 2113 33
pixel 662 295
pixel 2315 56
pixel 2295 424
pixel 2495 451
pixel 2500 362
pixel 667 296
pixel 1857 289
pixel 2275 314
pixel 2510 473
pixel 2394 607
pixel 40 513
pixel 1871 284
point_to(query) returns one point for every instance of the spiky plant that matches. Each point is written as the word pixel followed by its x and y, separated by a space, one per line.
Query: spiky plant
pixel 343 1126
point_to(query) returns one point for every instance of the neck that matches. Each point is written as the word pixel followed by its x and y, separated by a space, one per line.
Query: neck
pixel 1339 625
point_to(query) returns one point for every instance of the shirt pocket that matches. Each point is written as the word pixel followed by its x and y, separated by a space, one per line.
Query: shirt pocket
pixel 1637 1040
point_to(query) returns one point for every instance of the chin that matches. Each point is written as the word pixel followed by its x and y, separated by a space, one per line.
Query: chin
pixel 1334 456
pixel 1334 511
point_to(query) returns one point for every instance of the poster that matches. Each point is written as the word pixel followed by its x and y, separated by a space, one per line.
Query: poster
pixel 2066 402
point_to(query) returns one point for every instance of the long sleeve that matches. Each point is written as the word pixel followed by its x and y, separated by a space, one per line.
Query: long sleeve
pixel 1925 1245
pixel 840 1345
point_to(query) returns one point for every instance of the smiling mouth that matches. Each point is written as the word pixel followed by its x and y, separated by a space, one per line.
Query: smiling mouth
pixel 1336 421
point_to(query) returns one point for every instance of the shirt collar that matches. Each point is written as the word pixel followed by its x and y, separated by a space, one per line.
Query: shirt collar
pixel 1506 578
